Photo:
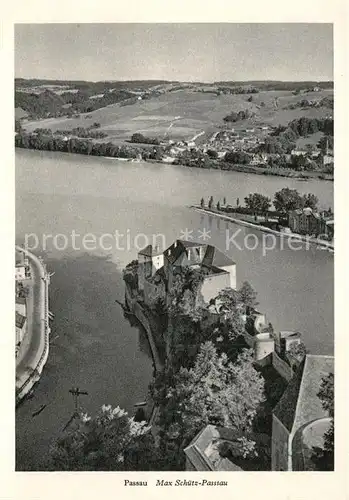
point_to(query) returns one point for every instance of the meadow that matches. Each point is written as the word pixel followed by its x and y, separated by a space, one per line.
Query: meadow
pixel 182 114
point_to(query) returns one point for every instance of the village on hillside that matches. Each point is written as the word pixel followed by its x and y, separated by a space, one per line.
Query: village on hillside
pixel 288 131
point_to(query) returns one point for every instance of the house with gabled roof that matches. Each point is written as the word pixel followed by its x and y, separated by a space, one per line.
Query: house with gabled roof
pixel 299 419
pixel 158 270
pixel 203 453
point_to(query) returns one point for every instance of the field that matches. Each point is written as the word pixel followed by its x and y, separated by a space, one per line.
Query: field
pixel 183 114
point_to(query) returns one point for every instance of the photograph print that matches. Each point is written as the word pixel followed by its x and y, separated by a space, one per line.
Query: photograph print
pixel 174 258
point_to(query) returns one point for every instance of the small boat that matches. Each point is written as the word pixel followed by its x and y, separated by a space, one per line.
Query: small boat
pixel 38 411
pixel 138 405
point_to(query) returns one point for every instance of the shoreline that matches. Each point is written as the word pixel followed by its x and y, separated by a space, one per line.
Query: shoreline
pixel 136 310
pixel 31 363
pixel 264 229
pixel 286 173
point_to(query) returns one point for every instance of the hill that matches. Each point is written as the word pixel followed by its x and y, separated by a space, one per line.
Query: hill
pixel 183 114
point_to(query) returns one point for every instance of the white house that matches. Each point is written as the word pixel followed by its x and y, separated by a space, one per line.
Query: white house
pixel 20 273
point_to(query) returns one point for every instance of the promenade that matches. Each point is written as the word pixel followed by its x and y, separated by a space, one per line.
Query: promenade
pixel 322 243
pixel 33 352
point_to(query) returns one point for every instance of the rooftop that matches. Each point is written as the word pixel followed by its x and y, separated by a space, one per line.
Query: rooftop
pixel 214 257
pixel 203 451
pixel 20 320
pixel 300 402
pixel 178 247
pixel 149 251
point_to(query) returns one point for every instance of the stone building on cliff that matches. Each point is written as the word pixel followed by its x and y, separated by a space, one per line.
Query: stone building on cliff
pixel 157 270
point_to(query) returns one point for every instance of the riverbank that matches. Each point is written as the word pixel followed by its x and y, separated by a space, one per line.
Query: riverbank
pixel 136 309
pixel 264 229
pixel 272 171
pixel 31 361
pixel 248 169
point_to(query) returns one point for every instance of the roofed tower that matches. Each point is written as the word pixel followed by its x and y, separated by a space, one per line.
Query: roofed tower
pixel 150 259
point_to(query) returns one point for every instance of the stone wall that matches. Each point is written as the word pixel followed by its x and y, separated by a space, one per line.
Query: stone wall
pixel 279 446
pixel 282 367
pixel 25 380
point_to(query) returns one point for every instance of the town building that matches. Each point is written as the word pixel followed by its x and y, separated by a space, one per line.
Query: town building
pixel 149 261
pixel 21 267
pixel 20 273
pixel 327 159
pixel 21 306
pixel 20 327
pixel 259 159
pixel 307 221
pixel 299 419
pixel 204 452
pixel 299 152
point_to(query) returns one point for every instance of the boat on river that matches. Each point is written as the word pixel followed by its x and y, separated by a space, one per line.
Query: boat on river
pixel 39 410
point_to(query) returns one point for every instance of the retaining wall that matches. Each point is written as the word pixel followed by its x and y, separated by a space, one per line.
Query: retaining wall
pixel 26 378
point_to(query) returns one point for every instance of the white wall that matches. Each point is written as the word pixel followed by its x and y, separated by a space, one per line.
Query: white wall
pixel 232 275
pixel 213 284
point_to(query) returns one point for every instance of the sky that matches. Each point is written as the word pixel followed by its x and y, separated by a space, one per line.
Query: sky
pixel 184 52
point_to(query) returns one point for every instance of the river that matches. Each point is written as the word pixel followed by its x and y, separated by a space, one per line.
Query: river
pixel 93 345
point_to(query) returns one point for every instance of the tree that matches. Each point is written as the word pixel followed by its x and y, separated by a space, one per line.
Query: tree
pixel 238 202
pixel 218 205
pixel 210 203
pixel 202 203
pixel 237 157
pixel 185 296
pixel 258 203
pixel 286 200
pixel 324 458
pixel 228 330
pixel 326 394
pixel 310 200
pixel 226 300
pixel 326 142
pixel 214 392
pixel 130 274
pixel 247 295
pixel 109 441
pixel 297 350
pixel 224 201
pixel 212 154
pixel 298 162
pixel 18 127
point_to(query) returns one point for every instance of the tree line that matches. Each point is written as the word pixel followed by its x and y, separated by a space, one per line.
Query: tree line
pixel 49 104
pixel 82 132
pixel 283 139
pixel 83 146
pixel 285 201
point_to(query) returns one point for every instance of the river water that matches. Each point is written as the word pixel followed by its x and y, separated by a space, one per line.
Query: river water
pixel 93 346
